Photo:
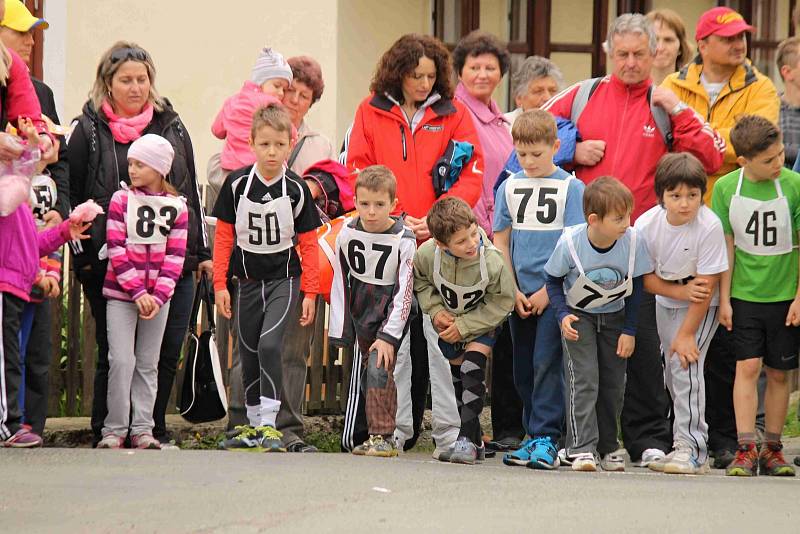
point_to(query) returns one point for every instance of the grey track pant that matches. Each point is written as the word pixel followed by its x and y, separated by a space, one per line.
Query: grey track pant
pixel 595 383
pixel 687 386
pixel 134 346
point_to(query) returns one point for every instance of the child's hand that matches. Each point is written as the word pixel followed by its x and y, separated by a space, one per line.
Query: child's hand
pixel 153 312
pixel 223 302
pixel 49 287
pixel 145 304
pixel 76 230
pixel 685 347
pixel 451 334
pixel 697 290
pixel 385 353
pixel 726 314
pixel 442 320
pixel 522 305
pixel 625 345
pixel 539 301
pixel 309 307
pixel 569 333
pixel 793 317
pixel 28 130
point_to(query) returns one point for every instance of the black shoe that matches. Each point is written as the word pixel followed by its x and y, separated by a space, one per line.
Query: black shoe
pixel 503 445
pixel 796 460
pixel 301 446
pixel 722 458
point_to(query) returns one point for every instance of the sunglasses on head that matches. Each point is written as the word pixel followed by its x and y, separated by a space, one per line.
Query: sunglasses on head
pixel 124 54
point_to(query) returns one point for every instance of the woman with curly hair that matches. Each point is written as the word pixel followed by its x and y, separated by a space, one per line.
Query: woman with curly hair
pixel 407 123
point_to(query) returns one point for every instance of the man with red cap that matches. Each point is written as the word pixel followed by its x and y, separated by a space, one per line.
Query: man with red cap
pixel 722 84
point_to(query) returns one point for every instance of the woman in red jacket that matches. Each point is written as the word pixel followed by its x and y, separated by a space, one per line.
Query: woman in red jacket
pixel 406 124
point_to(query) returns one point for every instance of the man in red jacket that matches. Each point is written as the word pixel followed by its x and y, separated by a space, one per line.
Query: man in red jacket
pixel 619 135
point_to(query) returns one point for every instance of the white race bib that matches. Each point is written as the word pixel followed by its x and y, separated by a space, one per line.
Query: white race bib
pixel 150 218
pixel 373 258
pixel 43 195
pixel 761 227
pixel 460 299
pixel 537 203
pixel 264 227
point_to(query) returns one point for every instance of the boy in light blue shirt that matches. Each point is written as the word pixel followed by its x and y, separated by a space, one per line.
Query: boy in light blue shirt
pixel 532 208
pixel 594 281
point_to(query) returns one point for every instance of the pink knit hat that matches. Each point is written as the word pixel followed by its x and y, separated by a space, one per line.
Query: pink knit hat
pixel 154 151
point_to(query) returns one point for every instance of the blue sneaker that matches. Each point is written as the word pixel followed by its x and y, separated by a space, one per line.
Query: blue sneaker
pixel 520 456
pixel 543 454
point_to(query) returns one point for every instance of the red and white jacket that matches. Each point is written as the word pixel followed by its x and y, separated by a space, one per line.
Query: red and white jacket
pixel 381 135
pixel 620 115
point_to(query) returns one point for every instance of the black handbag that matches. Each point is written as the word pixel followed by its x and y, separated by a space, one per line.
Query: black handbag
pixel 203 396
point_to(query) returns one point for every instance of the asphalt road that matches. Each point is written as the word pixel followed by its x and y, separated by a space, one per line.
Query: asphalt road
pixel 80 490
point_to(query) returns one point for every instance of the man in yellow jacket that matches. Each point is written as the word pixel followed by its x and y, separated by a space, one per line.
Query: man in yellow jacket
pixel 721 83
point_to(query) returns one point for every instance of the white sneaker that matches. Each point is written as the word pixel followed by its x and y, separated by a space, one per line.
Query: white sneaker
pixel 612 462
pixel 563 458
pixel 584 462
pixel 684 462
pixel 658 465
pixel 651 455
pixel 442 453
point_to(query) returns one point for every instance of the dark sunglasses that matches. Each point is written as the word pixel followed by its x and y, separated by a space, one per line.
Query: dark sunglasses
pixel 124 54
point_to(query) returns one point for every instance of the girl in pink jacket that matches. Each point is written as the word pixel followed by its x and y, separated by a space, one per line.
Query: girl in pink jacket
pixel 146 233
pixel 270 77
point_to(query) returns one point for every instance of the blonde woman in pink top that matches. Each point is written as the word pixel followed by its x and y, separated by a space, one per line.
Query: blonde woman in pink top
pixel 146 231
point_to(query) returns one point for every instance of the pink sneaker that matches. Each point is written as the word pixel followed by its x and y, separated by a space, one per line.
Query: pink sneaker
pixel 110 441
pixel 24 439
pixel 145 441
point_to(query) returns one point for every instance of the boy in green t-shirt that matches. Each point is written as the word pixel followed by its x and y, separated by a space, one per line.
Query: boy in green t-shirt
pixel 759 206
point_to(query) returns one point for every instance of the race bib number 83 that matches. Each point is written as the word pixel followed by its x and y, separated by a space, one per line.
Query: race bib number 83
pixel 151 218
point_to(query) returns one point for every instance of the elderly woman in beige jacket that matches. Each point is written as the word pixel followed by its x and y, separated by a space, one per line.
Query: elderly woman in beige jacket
pixel 305 90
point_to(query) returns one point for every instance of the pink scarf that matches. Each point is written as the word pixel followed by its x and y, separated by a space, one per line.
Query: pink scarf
pixel 127 129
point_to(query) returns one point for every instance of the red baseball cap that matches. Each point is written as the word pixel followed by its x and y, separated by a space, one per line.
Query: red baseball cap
pixel 722 21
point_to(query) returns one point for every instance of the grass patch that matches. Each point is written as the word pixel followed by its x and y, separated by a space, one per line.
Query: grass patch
pixel 792 427
pixel 324 441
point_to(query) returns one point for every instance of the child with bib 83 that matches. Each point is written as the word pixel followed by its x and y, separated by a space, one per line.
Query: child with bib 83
pixel 146 235
pixel 595 285
pixel 759 206
pixel 462 282
pixel 265 215
pixel 687 248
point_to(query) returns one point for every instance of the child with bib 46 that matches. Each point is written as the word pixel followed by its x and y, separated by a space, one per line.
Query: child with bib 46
pixel 462 282
pixel 759 206
pixel 594 281
pixel 146 236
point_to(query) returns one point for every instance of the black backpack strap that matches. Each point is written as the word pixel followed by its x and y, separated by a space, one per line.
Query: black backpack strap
pixel 296 152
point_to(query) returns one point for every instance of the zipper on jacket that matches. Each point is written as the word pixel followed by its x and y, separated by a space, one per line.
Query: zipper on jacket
pixel 147 270
pixel 403 139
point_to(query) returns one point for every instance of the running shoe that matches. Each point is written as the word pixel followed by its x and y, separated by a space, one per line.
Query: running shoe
pixel 247 439
pixel 110 441
pixel 658 465
pixel 684 462
pixel 301 446
pixel 651 455
pixel 722 458
pixel 270 439
pixel 563 458
pixel 520 456
pixel 145 441
pixel 584 461
pixel 543 454
pixel 382 448
pixel 361 450
pixel 612 462
pixel 772 463
pixel 745 464
pixel 24 438
pixel 465 452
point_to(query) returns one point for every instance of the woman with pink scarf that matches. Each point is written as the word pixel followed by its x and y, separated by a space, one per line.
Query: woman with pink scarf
pixel 123 105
